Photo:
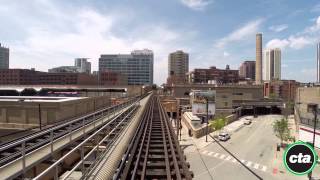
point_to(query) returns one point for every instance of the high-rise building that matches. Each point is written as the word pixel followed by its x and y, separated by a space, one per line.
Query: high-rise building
pixel 4 57
pixel 318 63
pixel 83 65
pixel 272 64
pixel 137 66
pixel 178 66
pixel 247 70
pixel 258 58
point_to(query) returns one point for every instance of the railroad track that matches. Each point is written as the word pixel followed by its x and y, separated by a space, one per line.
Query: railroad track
pixel 21 147
pixel 154 152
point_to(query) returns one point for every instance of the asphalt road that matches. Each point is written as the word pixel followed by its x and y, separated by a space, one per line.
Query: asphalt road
pixel 254 145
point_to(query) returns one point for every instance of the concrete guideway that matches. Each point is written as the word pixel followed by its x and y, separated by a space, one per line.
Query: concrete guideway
pixel 108 165
pixel 21 164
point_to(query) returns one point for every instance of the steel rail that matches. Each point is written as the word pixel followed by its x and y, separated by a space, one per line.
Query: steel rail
pixel 149 123
pixel 154 152
pixel 133 144
pixel 62 129
pixel 54 165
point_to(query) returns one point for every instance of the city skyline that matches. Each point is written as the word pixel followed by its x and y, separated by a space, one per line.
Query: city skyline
pixel 86 30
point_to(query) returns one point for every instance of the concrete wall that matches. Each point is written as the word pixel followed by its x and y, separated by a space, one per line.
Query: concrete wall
pixel 23 115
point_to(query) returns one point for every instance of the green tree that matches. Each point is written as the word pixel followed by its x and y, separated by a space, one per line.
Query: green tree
pixel 218 123
pixel 281 129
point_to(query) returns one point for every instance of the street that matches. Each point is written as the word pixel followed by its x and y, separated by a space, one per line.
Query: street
pixel 254 145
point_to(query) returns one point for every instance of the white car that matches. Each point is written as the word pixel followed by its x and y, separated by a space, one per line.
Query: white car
pixel 223 136
pixel 247 121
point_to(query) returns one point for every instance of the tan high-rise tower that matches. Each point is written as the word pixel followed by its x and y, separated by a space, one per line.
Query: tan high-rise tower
pixel 259 58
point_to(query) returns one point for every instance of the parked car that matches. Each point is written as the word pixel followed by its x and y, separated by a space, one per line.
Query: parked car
pixel 223 136
pixel 247 121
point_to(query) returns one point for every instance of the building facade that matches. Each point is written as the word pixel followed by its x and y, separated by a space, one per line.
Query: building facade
pixel 258 58
pixel 247 70
pixel 64 69
pixel 281 89
pixel 272 64
pixel 137 66
pixel 32 77
pixel 214 75
pixel 305 118
pixel 178 66
pixel 4 57
pixel 83 65
pixel 109 78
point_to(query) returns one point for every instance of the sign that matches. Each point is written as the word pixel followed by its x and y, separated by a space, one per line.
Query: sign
pixel 300 158
pixel 199 102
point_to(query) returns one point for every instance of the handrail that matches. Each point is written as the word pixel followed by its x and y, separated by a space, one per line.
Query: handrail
pixel 78 146
pixel 45 131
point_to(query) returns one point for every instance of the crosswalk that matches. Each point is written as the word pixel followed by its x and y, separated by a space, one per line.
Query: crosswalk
pixel 229 158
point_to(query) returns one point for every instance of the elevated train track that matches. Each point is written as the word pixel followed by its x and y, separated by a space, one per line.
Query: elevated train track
pixel 154 152
pixel 20 155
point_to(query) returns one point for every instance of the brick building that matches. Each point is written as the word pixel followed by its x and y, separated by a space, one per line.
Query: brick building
pixel 283 89
pixel 112 78
pixel 247 70
pixel 33 77
pixel 215 75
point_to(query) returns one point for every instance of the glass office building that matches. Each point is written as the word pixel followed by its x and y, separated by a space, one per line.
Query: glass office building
pixel 137 66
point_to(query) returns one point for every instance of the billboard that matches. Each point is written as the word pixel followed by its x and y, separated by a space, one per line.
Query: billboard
pixel 199 102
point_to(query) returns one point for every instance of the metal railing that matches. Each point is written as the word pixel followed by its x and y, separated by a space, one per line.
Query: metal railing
pixel 80 147
pixel 20 148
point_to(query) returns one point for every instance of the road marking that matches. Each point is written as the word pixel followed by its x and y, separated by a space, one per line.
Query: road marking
pixel 249 163
pixel 256 166
pixel 204 152
pixel 222 156
pixel 228 158
pixel 264 168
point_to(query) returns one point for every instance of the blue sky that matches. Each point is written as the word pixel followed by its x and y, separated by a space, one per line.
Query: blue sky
pixel 48 33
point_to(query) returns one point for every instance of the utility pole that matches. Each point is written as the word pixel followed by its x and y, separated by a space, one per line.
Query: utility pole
pixel 40 123
pixel 207 107
pixel 314 109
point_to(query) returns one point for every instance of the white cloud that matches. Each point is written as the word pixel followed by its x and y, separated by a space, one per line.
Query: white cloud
pixel 277 43
pixel 226 54
pixel 243 32
pixel 278 28
pixel 196 4
pixel 299 42
pixel 85 32
pixel 308 36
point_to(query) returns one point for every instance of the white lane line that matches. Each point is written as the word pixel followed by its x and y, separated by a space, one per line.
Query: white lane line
pixel 264 168
pixel 242 160
pixel 256 166
pixel 216 155
pixel 222 156
pixel 234 160
pixel 249 163
pixel 204 152
pixel 210 153
pixel 228 158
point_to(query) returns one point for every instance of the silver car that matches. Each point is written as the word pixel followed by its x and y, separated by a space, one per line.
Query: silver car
pixel 223 136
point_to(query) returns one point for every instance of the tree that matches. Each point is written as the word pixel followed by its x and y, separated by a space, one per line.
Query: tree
pixel 218 123
pixel 281 129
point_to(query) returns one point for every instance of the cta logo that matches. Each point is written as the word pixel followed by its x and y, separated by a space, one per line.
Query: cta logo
pixel 300 158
